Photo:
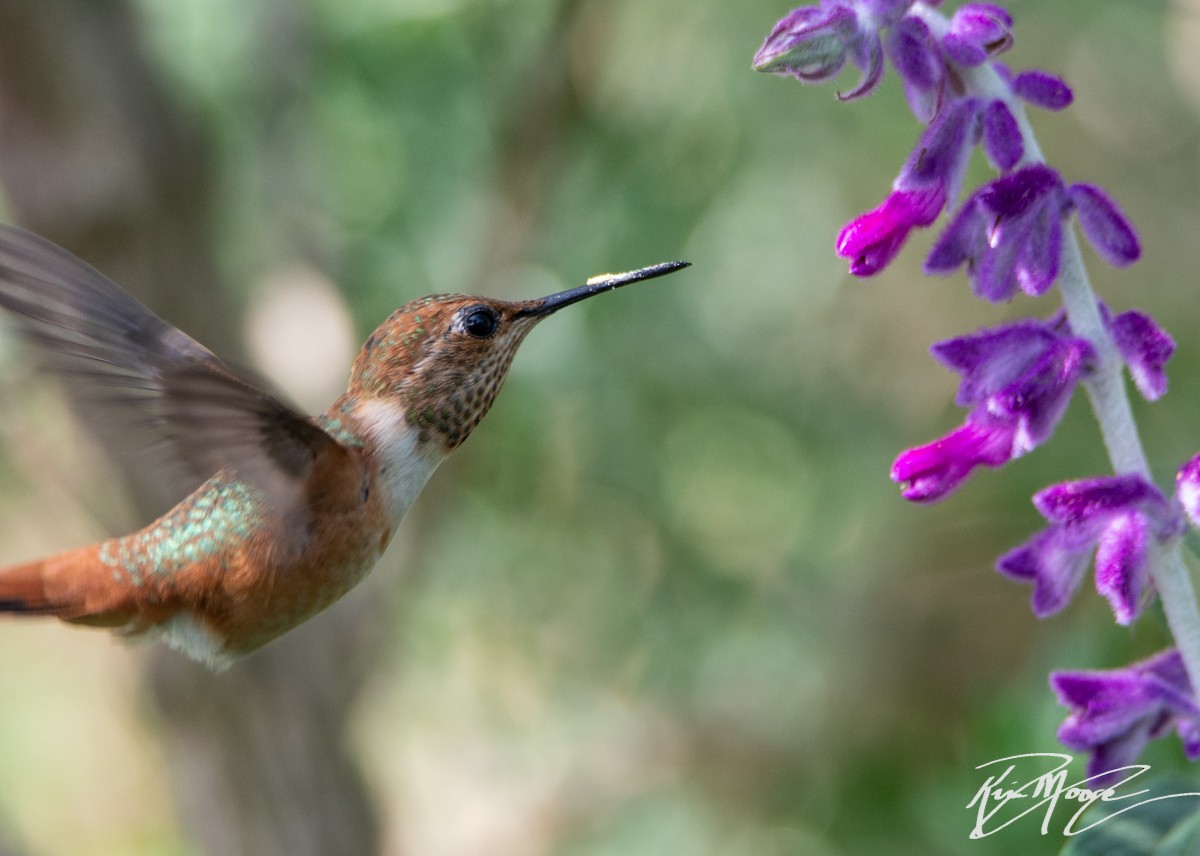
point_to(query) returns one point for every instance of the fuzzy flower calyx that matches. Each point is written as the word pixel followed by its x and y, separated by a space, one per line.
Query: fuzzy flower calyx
pixel 1115 713
pixel 1121 519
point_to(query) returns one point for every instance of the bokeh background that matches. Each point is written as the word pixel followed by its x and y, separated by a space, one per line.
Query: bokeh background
pixel 665 600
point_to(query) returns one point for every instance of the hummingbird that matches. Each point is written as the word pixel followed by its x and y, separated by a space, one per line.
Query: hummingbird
pixel 291 511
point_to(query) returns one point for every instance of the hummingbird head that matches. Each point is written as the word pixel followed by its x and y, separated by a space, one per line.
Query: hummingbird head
pixel 443 358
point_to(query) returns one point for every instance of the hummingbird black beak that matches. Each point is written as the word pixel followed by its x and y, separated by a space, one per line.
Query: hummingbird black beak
pixel 604 282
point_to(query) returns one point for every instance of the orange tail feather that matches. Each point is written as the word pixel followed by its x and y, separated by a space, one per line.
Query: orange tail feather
pixel 23 590
pixel 64 586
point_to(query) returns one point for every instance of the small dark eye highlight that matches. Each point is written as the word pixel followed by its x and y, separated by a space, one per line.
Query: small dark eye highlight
pixel 480 322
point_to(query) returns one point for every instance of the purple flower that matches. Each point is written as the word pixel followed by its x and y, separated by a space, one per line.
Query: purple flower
pixel 1017 380
pixel 1115 713
pixel 977 31
pixel 1117 517
pixel 932 174
pixel 1008 233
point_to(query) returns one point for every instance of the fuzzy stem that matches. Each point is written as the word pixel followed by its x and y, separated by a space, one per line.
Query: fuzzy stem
pixel 1106 385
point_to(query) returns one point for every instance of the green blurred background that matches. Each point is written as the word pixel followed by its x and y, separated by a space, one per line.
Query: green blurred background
pixel 665 600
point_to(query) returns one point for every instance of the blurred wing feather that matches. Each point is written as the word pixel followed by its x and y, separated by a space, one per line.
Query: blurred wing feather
pixel 130 369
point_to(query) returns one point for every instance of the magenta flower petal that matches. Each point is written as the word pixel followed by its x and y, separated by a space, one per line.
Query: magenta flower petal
pixel 933 471
pixel 873 239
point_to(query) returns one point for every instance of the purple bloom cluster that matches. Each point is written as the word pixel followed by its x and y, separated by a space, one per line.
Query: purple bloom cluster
pixel 1011 235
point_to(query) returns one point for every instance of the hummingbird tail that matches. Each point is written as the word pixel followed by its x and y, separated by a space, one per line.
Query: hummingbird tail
pixel 58 586
pixel 23 590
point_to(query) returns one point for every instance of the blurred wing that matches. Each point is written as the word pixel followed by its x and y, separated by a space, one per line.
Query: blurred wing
pixel 151 383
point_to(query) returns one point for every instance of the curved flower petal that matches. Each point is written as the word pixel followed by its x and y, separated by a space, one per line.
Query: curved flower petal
pixel 933 471
pixel 866 52
pixel 941 155
pixel 1146 348
pixel 960 242
pixel 911 51
pixel 1088 504
pixel 1052 563
pixel 873 239
pixel 1121 574
pixel 1042 89
pixel 1001 137
pixel 1106 228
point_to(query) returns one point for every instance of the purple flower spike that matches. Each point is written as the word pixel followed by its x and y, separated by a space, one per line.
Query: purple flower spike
pixel 1145 347
pixel 1115 713
pixel 977 31
pixel 1042 89
pixel 1017 380
pixel 1105 226
pixel 1115 516
pixel 1008 233
pixel 1187 489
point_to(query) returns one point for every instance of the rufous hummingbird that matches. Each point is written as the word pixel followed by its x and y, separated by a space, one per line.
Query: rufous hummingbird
pixel 292 511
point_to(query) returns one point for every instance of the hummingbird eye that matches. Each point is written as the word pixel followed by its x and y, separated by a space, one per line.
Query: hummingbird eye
pixel 480 322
